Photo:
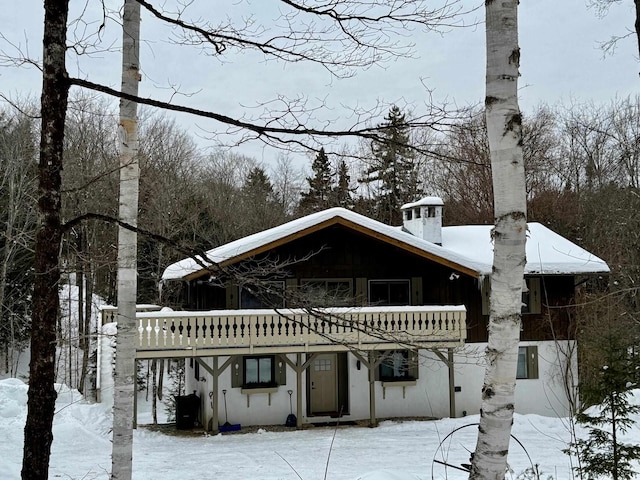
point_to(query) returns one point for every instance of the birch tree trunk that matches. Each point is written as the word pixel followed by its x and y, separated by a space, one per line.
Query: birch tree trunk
pixel 38 435
pixel 125 376
pixel 509 236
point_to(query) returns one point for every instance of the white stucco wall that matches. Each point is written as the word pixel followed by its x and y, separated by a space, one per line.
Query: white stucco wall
pixel 253 409
pixel 429 397
pixel 545 395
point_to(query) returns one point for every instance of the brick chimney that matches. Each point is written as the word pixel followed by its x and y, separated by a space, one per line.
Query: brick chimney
pixel 424 219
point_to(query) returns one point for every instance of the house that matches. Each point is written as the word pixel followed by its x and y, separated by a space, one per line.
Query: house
pixel 338 315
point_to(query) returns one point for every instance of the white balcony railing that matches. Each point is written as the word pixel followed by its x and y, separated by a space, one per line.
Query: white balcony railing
pixel 258 331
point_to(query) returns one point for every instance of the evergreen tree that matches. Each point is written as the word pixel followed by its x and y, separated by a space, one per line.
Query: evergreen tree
pixel 260 202
pixel 319 196
pixel 258 186
pixel 603 454
pixel 393 168
pixel 341 194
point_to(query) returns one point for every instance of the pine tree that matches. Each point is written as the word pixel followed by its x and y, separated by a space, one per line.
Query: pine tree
pixel 342 192
pixel 320 191
pixel 260 202
pixel 258 186
pixel 603 454
pixel 393 168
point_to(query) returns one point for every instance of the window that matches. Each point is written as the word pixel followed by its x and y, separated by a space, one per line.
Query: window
pixel 322 365
pixel 397 366
pixel 531 296
pixel 531 303
pixel 407 215
pixel 266 295
pixel 328 292
pixel 527 362
pixel 259 372
pixel 417 213
pixel 389 292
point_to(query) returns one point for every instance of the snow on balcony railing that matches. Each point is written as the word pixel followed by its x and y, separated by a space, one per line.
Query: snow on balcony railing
pixel 366 327
pixel 110 313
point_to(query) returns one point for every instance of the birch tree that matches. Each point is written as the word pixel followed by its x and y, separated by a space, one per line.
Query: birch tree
pixel 125 374
pixel 504 124
pixel 338 35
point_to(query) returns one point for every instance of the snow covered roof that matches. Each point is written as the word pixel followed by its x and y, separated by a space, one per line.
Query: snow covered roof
pixel 465 248
pixel 547 252
pixel 431 201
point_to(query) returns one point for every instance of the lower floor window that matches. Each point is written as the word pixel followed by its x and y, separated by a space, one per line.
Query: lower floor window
pixel 395 367
pixel 527 362
pixel 259 372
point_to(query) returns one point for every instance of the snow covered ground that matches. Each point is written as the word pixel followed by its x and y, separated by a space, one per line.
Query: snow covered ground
pixel 393 451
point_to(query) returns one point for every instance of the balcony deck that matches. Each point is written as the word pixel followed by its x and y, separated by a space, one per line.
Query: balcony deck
pixel 234 332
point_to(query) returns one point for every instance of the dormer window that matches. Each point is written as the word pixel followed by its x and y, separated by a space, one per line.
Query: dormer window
pixel 431 212
pixel 407 215
pixel 418 213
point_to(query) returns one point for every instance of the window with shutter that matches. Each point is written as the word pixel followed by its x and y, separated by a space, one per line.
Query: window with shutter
pixel 527 362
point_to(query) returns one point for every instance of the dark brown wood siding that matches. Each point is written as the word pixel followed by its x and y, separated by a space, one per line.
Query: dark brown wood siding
pixel 338 252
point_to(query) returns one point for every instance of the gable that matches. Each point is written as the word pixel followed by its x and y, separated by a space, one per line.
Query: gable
pixel 466 249
pixel 276 237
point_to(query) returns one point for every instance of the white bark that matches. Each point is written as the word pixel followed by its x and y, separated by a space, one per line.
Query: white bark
pixel 505 142
pixel 125 377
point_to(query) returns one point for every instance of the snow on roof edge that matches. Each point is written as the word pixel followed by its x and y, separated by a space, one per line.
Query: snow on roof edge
pixel 245 245
pixel 468 246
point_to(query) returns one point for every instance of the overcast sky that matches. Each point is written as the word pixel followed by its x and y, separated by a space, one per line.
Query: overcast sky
pixel 560 61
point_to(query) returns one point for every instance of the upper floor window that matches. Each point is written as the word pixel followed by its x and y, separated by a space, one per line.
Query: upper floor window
pixel 389 292
pixel 531 296
pixel 268 294
pixel 328 292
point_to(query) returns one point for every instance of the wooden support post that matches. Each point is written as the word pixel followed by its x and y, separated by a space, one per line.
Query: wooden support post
pixel 299 371
pixel 452 384
pixel 372 389
pixel 214 396
pixel 299 368
pixel 215 372
pixel 135 395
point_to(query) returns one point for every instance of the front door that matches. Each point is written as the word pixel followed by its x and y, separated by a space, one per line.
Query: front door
pixel 323 375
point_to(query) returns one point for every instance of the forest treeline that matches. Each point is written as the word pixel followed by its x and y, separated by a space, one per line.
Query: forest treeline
pixel 582 168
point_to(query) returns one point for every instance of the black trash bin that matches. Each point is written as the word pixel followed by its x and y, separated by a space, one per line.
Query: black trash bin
pixel 187 407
